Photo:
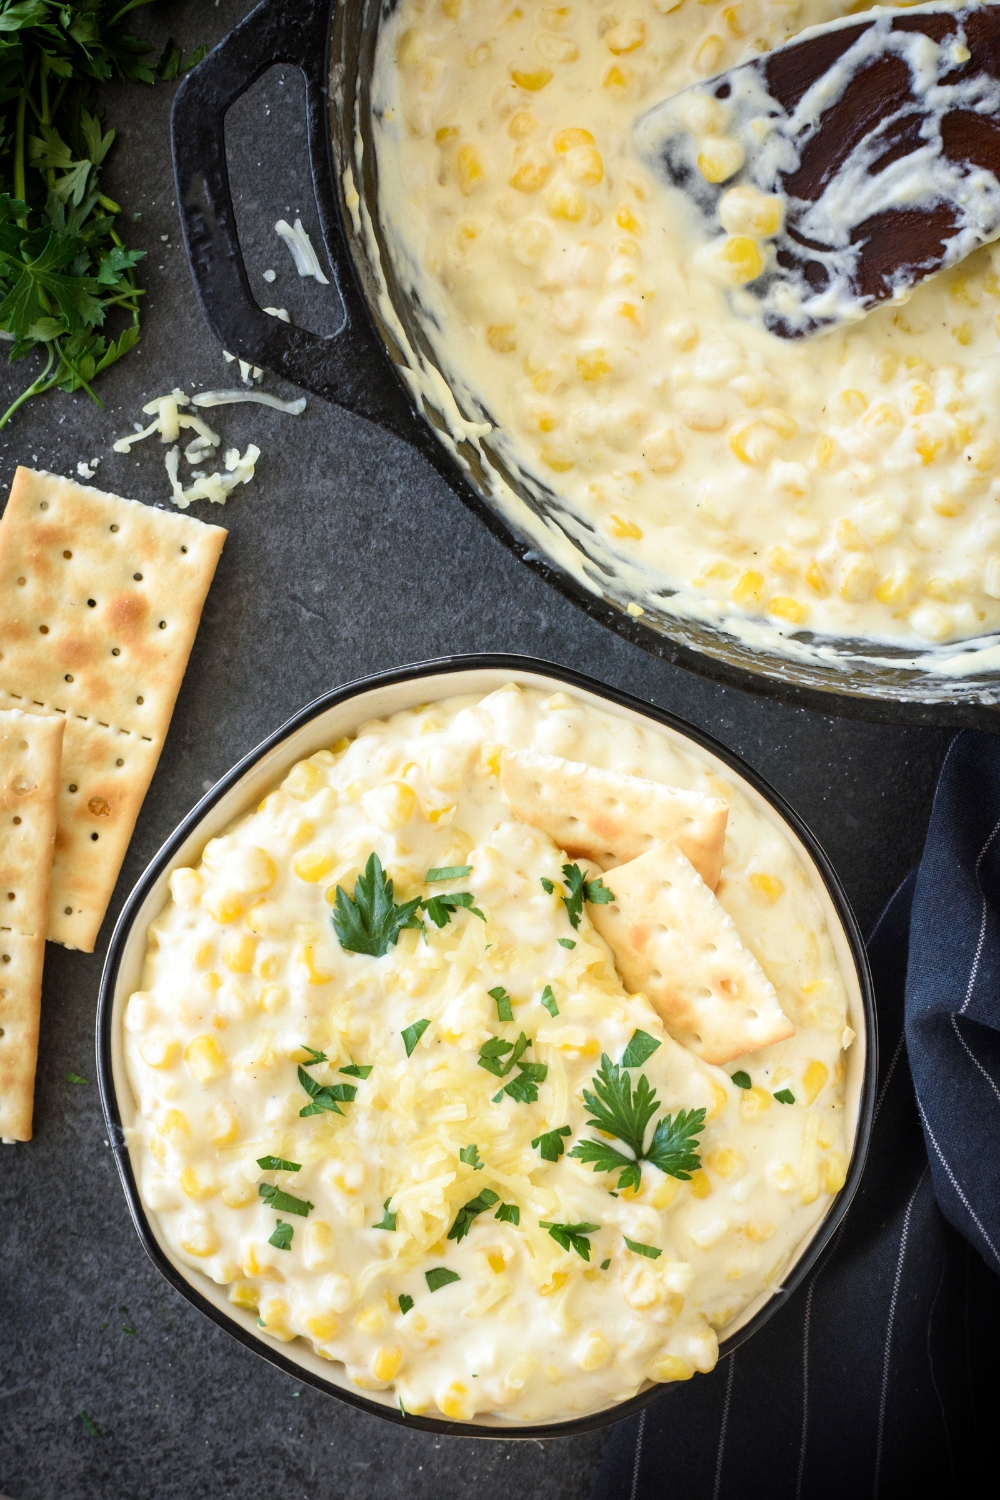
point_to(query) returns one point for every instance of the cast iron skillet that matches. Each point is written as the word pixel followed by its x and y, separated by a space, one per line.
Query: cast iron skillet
pixel 521 668
pixel 333 43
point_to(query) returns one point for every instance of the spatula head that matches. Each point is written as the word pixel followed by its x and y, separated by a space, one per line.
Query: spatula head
pixel 847 166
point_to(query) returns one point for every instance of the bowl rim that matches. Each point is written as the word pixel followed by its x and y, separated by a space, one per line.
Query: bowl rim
pixel 569 677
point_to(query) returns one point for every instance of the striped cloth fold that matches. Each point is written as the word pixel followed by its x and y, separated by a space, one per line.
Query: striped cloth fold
pixel 876 1379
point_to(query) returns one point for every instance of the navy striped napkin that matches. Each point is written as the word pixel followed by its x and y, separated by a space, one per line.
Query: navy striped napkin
pixel 880 1372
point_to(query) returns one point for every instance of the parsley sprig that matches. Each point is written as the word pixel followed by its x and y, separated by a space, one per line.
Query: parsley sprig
pixel 370 922
pixel 571 1236
pixel 483 1200
pixel 64 268
pixel 325 1097
pixel 614 1108
pixel 493 1057
pixel 440 908
pixel 579 889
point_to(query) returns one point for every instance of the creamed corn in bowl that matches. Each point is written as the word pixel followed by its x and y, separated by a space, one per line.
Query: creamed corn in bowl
pixel 845 484
pixel 393 1093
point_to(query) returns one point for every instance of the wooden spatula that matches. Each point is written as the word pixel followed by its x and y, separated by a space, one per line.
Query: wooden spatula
pixel 873 143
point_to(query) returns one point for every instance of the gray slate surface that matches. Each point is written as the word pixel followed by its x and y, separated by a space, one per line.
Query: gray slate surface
pixel 346 555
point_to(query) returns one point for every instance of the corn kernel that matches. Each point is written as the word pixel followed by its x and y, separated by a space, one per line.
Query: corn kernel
pixel 565 202
pixel 243 1294
pixel 758 1232
pixel 733 19
pixel 199 1182
pixel 882 418
pixel 159 1051
pixel 471 169
pixel 528 240
pixel 532 79
pixel 313 863
pixel 572 138
pixel 849 404
pixel 196 1238
pixel 896 587
pixel 204 1058
pixel 273 1315
pixel 834 1172
pixel 318 1246
pixel 932 623
pixel 186 888
pixel 625 37
pixel 502 337
pixel 814 1079
pixel 554 1284
pixel 456 1403
pixel 813 576
pixel 618 80
pixel 522 125
pixel 754 444
pixel 780 561
pixel 708 57
pixel 744 210
pixel 531 170
pixel 827 452
pixel 556 459
pixel 768 886
pixel 700 1185
pixel 720 156
pixel 962 334
pixel 585 165
pixel 748 589
pixel 670 1367
pixel 594 1352
pixel 174 1123
pixel 788 609
pixel 858 579
pixel 323 1327
pixel 593 364
pixel 629 221
pixel 725 1162
pixel 238 952
pixel 303 781
pixel 665 1192
pixel 617 527
pixel 224 1127
pixel 754 1103
pixel 386 1363
pixel 319 969
pixel 929 444
pixel 272 998
pixel 223 906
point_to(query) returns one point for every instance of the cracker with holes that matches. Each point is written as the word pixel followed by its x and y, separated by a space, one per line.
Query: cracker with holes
pixel 100 600
pixel 609 816
pixel 673 940
pixel 30 753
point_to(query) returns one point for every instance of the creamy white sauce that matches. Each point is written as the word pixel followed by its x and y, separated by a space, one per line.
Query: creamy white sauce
pixel 244 973
pixel 846 485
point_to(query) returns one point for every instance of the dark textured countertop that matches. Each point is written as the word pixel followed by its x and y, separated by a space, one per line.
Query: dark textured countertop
pixel 346 554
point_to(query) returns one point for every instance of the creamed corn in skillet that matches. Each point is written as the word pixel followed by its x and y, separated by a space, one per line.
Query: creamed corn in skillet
pixel 247 986
pixel 845 484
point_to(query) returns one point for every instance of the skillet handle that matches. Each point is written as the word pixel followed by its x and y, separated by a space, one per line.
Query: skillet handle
pixel 350 368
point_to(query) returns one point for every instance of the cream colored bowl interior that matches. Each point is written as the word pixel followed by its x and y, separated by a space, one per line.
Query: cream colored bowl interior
pixel 322 731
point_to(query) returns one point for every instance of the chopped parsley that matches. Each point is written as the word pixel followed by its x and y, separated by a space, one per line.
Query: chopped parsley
pixel 580 890
pixel 641 1047
pixel 551 1145
pixel 281 1239
pixel 615 1110
pixel 357 1070
pixel 405 1303
pixel 571 1236
pixel 447 872
pixel 742 1080
pixel 785 1096
pixel 605 1264
pixel 90 1425
pixel 508 1213
pixel 285 1203
pixel 388 1220
pixel 326 1097
pixel 314 1056
pixel 412 1035
pixel 649 1251
pixel 493 1057
pixel 74 1078
pixel 440 908
pixel 439 1276
pixel 567 943
pixel 278 1164
pixel 470 1155
pixel 504 1011
pixel 548 1000
pixel 371 921
pixel 469 1211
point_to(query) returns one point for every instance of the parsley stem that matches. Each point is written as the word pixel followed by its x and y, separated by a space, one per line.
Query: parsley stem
pixel 19 185
pixel 36 388
pixel 112 208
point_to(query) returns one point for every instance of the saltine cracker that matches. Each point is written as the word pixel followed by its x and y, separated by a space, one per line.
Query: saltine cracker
pixel 609 816
pixel 100 600
pixel 674 941
pixel 30 753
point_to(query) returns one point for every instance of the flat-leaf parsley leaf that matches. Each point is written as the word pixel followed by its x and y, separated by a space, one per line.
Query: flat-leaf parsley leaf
pixel 371 921
pixel 571 1236
pixel 325 1096
pixel 504 1011
pixel 405 1302
pixel 388 1220
pixel 281 1239
pixel 785 1096
pixel 278 1164
pixel 641 1047
pixel 412 1035
pixel 650 1251
pixel 580 890
pixel 470 1155
pixel 508 1213
pixel 469 1211
pixel 284 1203
pixel 439 1276
pixel 551 1145
pixel 548 1000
